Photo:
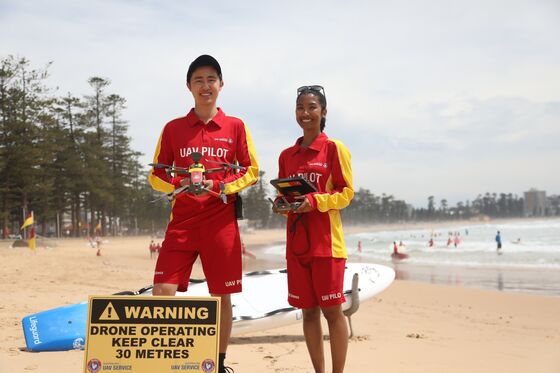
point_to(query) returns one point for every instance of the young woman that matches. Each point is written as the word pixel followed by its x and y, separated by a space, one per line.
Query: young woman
pixel 315 250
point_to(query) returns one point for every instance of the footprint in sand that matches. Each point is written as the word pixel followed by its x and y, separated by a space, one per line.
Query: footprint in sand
pixel 359 338
pixel 415 335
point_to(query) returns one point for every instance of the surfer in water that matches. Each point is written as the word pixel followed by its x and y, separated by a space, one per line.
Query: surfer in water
pixel 396 255
pixel 315 250
pixel 202 225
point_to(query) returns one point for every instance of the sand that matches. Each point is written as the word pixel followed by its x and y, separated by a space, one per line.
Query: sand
pixel 411 327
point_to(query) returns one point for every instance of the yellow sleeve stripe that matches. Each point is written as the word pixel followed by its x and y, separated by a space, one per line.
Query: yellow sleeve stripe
pixel 337 235
pixel 345 163
pixel 157 183
pixel 252 173
pixel 336 201
pixel 339 200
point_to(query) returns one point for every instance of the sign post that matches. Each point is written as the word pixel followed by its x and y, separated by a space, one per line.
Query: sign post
pixel 152 334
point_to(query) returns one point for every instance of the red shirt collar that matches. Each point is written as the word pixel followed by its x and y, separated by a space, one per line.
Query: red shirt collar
pixel 316 145
pixel 218 120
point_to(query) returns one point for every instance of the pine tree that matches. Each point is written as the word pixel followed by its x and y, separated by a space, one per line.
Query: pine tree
pixel 23 103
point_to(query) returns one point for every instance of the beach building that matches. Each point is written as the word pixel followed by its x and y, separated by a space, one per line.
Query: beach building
pixel 409 211
pixel 535 203
pixel 554 204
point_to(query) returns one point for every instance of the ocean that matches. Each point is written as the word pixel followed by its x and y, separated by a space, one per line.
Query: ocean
pixel 529 262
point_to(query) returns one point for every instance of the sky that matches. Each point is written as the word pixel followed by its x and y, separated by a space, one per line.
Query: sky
pixel 449 99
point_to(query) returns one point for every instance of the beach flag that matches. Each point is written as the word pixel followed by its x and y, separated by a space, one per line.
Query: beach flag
pixel 98 227
pixel 31 242
pixel 28 221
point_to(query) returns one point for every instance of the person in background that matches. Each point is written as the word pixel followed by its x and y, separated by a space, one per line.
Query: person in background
pixel 152 248
pixel 98 244
pixel 247 252
pixel 456 240
pixel 498 243
pixel 397 256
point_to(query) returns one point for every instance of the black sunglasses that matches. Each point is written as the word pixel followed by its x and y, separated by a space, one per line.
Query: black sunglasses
pixel 316 88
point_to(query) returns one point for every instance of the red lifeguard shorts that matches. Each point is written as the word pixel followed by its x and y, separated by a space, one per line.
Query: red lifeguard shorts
pixel 315 281
pixel 219 246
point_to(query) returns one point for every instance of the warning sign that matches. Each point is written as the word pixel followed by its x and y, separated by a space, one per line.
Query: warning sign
pixel 152 334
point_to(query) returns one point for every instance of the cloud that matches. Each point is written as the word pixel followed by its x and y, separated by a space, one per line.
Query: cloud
pixel 430 97
pixel 496 144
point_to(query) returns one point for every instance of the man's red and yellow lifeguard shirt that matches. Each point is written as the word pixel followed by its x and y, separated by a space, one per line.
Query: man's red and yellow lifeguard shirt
pixel 326 164
pixel 223 139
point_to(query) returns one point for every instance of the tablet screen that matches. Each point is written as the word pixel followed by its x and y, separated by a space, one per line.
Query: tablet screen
pixel 293 186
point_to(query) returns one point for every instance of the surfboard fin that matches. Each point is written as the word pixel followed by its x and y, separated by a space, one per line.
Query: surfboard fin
pixel 355 302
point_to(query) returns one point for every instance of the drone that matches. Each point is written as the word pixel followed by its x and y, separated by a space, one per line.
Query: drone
pixel 196 175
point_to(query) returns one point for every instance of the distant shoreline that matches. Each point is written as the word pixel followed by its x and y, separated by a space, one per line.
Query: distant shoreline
pixel 438 224
pixel 545 282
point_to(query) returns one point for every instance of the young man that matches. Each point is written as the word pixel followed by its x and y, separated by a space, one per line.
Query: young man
pixel 202 225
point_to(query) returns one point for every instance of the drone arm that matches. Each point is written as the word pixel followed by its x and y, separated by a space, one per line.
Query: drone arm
pixel 176 192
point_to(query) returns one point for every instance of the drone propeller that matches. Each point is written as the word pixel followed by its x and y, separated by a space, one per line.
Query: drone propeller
pixel 168 167
pixel 230 165
pixel 210 170
pixel 159 165
pixel 168 196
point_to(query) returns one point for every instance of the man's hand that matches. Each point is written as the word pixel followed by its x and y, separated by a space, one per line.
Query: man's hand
pixel 208 184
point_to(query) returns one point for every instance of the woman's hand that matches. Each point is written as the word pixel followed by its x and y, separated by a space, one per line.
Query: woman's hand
pixel 305 205
pixel 275 210
pixel 276 207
